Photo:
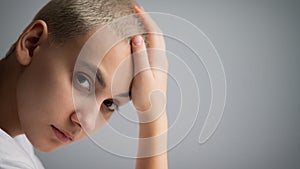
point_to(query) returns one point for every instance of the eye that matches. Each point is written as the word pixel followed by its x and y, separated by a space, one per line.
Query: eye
pixel 110 105
pixel 83 81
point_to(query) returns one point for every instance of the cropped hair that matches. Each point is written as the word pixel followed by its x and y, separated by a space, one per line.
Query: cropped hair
pixel 68 19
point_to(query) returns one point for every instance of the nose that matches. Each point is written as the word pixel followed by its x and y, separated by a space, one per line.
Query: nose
pixel 88 120
pixel 87 112
pixel 75 119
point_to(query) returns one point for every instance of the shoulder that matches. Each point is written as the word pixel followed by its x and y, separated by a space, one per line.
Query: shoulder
pixel 13 155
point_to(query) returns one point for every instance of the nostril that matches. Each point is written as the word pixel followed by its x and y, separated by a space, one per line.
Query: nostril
pixel 75 119
pixel 86 119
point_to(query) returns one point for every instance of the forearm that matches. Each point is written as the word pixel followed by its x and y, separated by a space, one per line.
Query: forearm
pixel 152 151
pixel 150 84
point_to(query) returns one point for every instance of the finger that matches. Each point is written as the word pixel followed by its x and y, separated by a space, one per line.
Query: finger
pixel 154 33
pixel 147 20
pixel 156 52
pixel 140 57
pixel 158 62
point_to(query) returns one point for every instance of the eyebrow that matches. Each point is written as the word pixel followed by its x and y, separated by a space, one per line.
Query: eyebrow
pixel 126 94
pixel 100 79
pixel 99 76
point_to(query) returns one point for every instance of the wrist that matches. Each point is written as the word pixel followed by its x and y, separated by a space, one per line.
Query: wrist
pixel 155 127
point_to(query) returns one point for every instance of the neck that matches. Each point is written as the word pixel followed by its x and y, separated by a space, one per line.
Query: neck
pixel 9 118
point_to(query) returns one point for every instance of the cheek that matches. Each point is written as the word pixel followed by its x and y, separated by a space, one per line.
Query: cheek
pixel 29 95
pixel 42 88
pixel 43 97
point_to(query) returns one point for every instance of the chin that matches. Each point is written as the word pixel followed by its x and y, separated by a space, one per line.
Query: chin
pixel 46 149
pixel 45 145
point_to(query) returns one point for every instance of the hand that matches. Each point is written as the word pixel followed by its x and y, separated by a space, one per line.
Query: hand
pixel 148 94
pixel 150 69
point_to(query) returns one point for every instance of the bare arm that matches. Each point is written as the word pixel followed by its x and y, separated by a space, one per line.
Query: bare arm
pixel 149 95
pixel 157 144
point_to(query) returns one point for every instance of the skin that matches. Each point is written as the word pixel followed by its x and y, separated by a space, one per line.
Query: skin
pixel 37 83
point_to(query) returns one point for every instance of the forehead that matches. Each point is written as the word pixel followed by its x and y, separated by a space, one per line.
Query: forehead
pixel 104 46
pixel 112 59
pixel 117 68
pixel 116 58
pixel 102 49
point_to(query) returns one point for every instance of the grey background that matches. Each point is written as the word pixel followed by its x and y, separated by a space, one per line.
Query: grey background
pixel 258 42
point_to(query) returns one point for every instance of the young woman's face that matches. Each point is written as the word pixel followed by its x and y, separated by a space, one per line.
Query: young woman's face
pixel 45 93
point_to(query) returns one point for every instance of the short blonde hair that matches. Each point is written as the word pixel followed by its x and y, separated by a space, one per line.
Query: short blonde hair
pixel 68 19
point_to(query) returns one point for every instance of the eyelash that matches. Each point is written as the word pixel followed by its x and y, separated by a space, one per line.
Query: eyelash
pixel 109 103
pixel 82 78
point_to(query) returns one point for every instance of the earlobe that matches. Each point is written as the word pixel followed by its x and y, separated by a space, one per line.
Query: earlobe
pixel 34 36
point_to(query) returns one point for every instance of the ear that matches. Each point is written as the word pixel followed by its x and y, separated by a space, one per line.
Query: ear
pixel 31 38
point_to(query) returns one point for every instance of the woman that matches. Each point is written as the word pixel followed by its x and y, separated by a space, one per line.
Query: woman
pixel 39 80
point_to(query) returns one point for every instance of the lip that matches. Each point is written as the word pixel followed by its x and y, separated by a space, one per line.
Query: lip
pixel 62 135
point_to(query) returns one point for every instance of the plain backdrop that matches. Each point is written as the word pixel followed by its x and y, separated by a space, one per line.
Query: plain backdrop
pixel 258 42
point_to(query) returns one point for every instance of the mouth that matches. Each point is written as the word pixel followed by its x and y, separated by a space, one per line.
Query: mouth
pixel 62 135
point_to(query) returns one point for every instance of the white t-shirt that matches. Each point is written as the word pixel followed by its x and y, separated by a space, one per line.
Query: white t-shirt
pixel 17 153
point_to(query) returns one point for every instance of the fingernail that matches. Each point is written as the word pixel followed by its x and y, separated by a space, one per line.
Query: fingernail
pixel 139 7
pixel 136 7
pixel 136 3
pixel 137 41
